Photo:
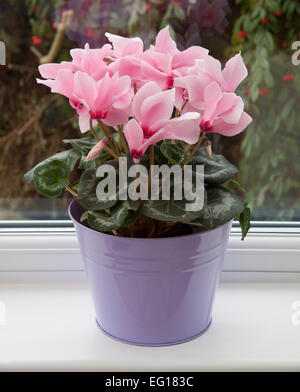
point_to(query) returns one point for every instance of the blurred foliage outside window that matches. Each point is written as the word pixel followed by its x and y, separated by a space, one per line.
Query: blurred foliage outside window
pixel 33 122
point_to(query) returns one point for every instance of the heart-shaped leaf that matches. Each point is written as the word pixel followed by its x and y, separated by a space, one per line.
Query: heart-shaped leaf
pixel 50 178
pixel 217 169
pixel 102 221
pixel 220 208
pixel 87 192
pixel 174 153
pixel 68 157
pixel 169 210
pixel 83 145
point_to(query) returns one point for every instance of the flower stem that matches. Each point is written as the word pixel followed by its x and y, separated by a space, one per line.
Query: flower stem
pixel 194 150
pixel 112 152
pixel 122 140
pixel 93 130
pixel 106 132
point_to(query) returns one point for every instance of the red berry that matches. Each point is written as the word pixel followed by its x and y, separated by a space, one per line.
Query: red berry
pixel 284 44
pixel 263 92
pixel 36 40
pixel 288 77
pixel 277 13
pixel 242 34
pixel 148 7
pixel 265 21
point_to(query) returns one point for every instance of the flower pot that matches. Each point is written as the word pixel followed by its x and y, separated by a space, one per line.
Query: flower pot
pixel 152 291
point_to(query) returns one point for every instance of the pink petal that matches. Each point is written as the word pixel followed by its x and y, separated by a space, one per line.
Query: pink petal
pixel 234 73
pixel 84 123
pixel 164 42
pixel 125 46
pixel 147 90
pixel 187 57
pixel 134 136
pixel 185 127
pixel 226 129
pixel 116 117
pixel 64 83
pixel 150 72
pixel 213 68
pixel 232 114
pixel 157 107
pixel 212 95
pixel 162 61
pixel 85 88
pixel 124 101
pixel 104 92
pixel 96 150
pixel 122 86
pixel 48 83
pixel 49 71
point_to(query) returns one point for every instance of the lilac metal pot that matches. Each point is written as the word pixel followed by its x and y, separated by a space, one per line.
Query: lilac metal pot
pixel 152 292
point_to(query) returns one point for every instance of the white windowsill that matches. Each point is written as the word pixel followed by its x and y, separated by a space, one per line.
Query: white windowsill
pixel 51 327
pixel 47 318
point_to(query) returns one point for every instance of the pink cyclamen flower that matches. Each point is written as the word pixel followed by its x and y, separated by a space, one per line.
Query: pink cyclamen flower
pixel 162 62
pixel 126 57
pixel 108 99
pixel 152 109
pixel 210 70
pixel 223 113
pixel 97 149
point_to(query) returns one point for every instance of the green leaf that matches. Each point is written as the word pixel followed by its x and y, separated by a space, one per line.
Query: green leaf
pixel 217 169
pixel 169 210
pixel 83 145
pixel 244 220
pixel 84 216
pixel 174 153
pixel 68 157
pixel 84 164
pixel 102 221
pixel 87 192
pixel 50 178
pixel 221 207
pixel 132 217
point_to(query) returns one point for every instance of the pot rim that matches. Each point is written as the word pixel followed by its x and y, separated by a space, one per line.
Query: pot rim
pixel 202 232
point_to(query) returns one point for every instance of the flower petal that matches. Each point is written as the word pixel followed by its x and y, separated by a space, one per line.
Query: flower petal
pixel 226 129
pixel 147 90
pixel 85 88
pixel 64 83
pixel 187 57
pixel 212 95
pixel 164 42
pixel 157 108
pixel 234 73
pixel 125 46
pixel 134 136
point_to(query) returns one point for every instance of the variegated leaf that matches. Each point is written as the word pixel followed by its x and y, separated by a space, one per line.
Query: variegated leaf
pixel 102 221
pixel 68 157
pixel 217 169
pixel 220 208
pixel 50 178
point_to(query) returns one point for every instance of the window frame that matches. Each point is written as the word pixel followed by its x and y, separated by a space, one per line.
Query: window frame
pixel 271 251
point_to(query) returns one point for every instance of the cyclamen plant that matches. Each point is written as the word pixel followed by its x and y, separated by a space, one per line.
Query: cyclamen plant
pixel 153 106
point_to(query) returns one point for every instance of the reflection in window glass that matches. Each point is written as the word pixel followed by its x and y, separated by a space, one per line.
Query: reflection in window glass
pixel 33 122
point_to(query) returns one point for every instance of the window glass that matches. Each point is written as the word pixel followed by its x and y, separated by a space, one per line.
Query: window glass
pixel 34 122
